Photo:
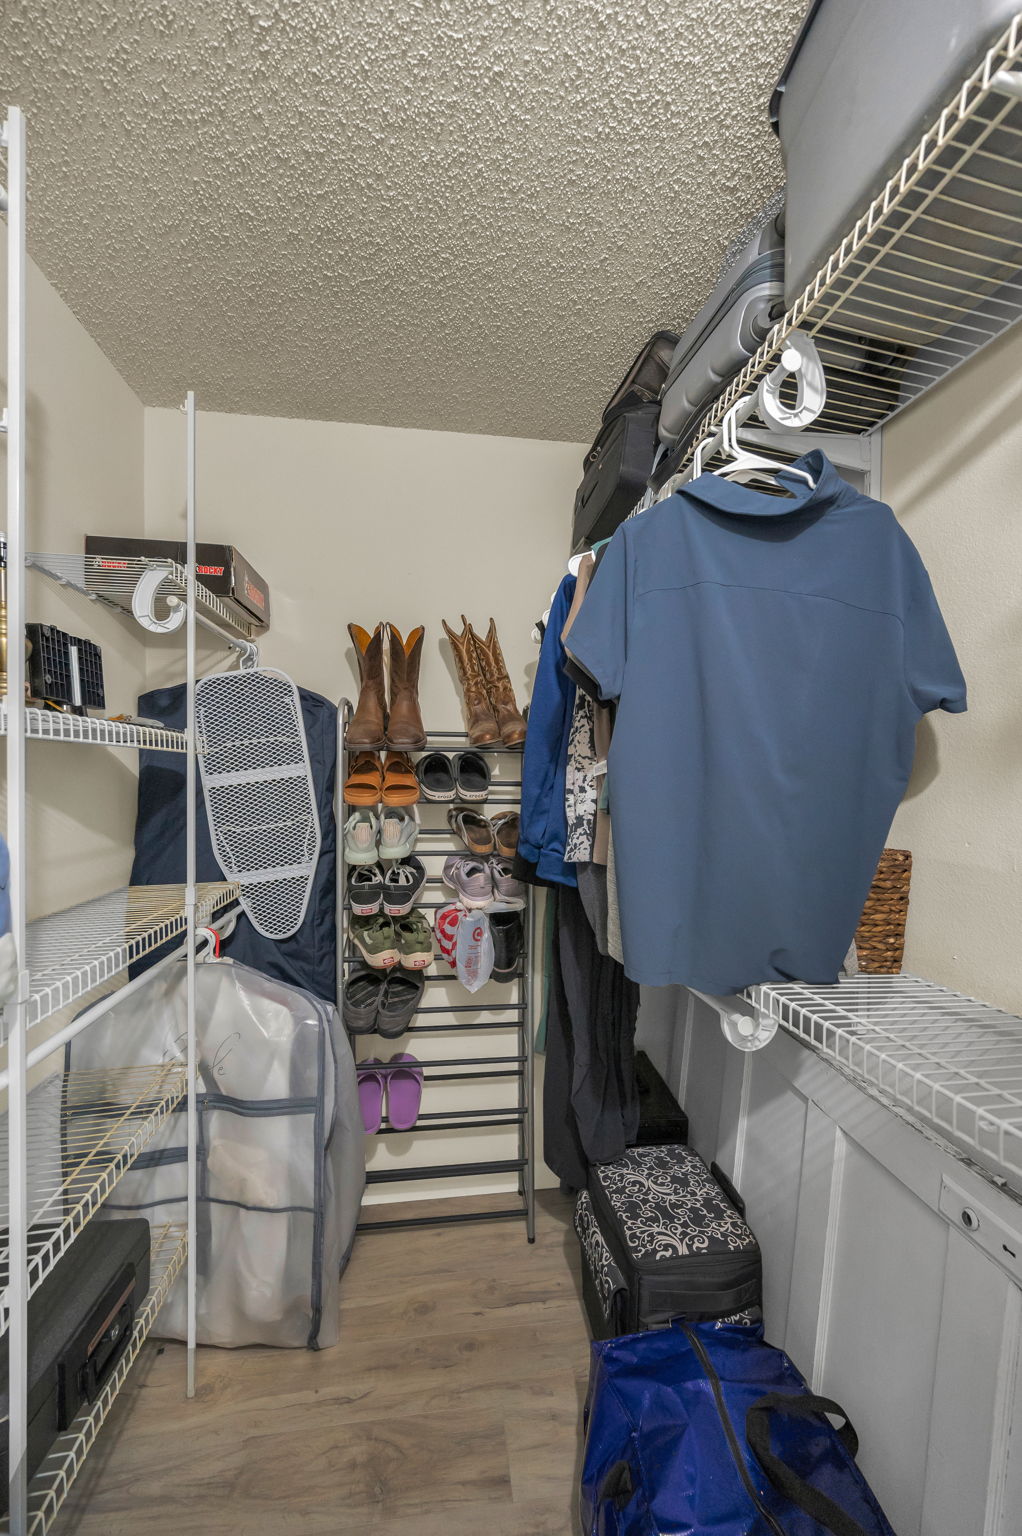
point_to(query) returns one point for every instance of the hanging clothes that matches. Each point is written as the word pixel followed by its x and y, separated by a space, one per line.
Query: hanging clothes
pixel 543 829
pixel 771 657
pixel 590 1098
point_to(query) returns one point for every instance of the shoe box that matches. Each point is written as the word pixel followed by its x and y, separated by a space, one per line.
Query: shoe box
pixel 221 568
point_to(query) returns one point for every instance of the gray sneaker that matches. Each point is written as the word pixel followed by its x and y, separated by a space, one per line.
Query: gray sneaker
pixel 505 887
pixel 470 878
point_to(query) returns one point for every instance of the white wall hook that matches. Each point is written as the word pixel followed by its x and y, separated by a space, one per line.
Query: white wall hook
pixel 143 603
pixel 799 360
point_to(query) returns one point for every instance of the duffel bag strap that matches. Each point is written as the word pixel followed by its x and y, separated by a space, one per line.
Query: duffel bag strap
pixel 784 1478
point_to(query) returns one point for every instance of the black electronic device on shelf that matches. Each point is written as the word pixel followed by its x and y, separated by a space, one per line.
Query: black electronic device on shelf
pixel 64 669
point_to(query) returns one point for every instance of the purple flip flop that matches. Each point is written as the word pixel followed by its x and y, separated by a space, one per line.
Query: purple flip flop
pixel 404 1091
pixel 371 1084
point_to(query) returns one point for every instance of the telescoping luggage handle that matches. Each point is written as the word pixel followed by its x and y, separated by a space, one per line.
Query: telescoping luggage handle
pixel 802 1494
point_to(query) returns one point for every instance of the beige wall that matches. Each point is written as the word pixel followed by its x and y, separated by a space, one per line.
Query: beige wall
pixel 953 473
pixel 84 452
pixel 356 523
pixel 364 523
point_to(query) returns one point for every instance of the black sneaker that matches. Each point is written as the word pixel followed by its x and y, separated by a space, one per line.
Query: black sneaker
pixel 508 939
pixel 402 886
pixel 365 889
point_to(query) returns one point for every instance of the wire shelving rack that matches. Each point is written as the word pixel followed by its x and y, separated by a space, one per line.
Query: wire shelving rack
pixel 927 276
pixel 85 1129
pixel 511 1015
pixel 52 1483
pixel 69 953
pixel 88 730
pixel 54 1188
pixel 952 1062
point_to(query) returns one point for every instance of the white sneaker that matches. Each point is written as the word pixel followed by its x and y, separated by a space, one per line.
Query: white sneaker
pixel 399 829
pixel 360 833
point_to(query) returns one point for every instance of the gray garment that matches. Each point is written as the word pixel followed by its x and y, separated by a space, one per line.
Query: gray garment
pixel 592 890
pixel 615 947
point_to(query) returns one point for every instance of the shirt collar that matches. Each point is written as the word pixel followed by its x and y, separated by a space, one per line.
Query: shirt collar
pixel 731 497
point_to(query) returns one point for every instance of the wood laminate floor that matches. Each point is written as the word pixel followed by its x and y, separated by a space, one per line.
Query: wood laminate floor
pixel 450 1407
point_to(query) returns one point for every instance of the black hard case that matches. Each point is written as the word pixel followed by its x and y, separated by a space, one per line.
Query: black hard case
pixel 644 380
pixel 676 1242
pixel 80 1322
pixel 661 1117
pixel 614 473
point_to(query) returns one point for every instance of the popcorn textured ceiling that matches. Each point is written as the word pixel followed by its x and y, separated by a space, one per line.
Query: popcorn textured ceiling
pixel 458 214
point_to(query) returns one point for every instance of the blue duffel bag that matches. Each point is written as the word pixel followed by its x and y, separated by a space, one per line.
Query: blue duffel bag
pixel 703 1429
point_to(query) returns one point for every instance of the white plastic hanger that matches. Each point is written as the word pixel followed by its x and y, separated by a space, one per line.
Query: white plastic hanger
pixel 745 464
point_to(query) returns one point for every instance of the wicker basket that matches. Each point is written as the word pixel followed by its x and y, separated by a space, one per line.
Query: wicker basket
pixel 880 936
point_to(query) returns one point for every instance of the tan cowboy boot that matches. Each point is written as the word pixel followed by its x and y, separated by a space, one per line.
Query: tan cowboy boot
pixel 367 731
pixel 483 729
pixel 405 731
pixel 498 686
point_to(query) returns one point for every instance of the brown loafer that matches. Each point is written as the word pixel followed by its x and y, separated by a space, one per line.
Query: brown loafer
pixel 400 786
pixel 364 784
pixel 474 830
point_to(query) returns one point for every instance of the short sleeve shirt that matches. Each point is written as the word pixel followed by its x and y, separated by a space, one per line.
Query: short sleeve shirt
pixel 771 657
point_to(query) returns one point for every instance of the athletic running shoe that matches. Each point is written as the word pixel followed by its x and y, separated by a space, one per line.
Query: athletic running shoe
pixel 505 886
pixel 402 886
pixel 470 878
pixel 360 833
pixel 399 829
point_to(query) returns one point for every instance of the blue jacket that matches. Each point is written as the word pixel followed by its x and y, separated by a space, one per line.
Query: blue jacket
pixel 544 826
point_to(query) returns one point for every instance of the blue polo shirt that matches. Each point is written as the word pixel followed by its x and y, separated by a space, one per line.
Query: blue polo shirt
pixel 771 657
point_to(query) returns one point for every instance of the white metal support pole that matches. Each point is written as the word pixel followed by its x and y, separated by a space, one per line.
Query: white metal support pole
pixel 16 1011
pixel 193 1114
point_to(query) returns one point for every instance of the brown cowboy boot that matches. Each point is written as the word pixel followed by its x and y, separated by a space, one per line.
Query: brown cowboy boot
pixel 367 731
pixel 483 729
pixel 509 720
pixel 405 730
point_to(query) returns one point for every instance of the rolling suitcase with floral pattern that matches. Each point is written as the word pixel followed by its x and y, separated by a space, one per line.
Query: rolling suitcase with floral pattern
pixel 661 1239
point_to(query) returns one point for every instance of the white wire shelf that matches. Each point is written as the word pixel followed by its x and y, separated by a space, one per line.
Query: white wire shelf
pixel 952 1062
pixel 931 272
pixel 113 583
pixel 54 725
pixel 70 952
pixel 51 1484
pixel 84 1131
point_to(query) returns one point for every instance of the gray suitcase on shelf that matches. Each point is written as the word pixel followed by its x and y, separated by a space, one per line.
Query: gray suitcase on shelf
pixel 863 82
pixel 732 325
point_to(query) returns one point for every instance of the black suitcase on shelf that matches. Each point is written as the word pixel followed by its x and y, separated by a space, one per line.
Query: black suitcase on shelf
pixel 614 473
pixel 80 1322
pixel 661 1238
pixel 644 380
pixel 661 1117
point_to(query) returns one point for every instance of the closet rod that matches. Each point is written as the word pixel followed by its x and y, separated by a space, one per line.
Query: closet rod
pixel 444 1171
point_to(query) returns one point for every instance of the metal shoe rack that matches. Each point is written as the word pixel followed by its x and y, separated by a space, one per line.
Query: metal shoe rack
pixel 450 1019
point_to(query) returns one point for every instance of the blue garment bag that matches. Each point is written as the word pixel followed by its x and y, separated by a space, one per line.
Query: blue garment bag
pixel 703 1429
